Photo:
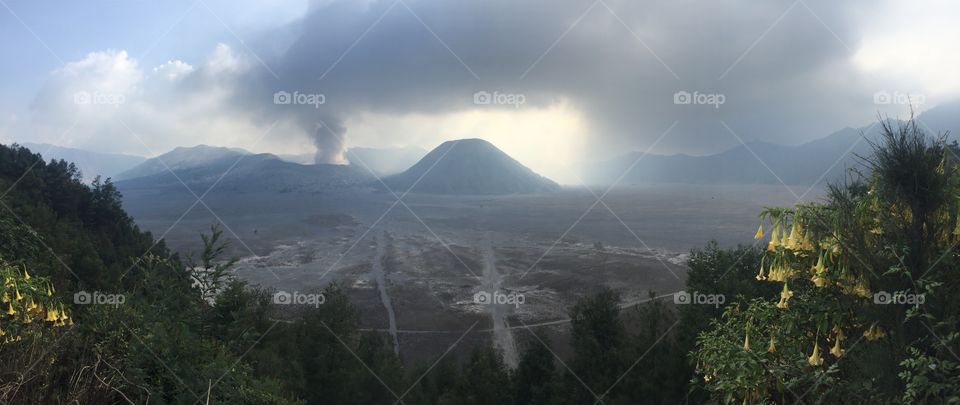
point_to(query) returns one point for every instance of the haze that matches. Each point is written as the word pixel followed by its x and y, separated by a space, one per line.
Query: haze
pixel 595 78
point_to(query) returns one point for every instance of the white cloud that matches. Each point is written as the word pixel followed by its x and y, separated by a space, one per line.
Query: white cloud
pixel 223 61
pixel 115 106
pixel 914 44
pixel 174 70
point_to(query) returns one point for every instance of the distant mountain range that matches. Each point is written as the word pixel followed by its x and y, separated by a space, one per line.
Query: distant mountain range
pixel 181 158
pixel 200 167
pixel 90 163
pixel 757 162
pixel 469 167
pixel 474 166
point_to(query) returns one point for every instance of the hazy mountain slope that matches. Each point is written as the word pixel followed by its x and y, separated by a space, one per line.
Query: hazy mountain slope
pixel 385 161
pixel 91 163
pixel 382 161
pixel 470 167
pixel 824 159
pixel 182 158
pixel 251 173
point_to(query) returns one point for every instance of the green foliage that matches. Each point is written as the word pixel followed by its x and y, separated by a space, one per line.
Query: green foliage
pixel 891 232
pixel 598 337
pixel 535 378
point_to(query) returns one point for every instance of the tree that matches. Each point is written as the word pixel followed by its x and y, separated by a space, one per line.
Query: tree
pixel 863 277
pixel 598 341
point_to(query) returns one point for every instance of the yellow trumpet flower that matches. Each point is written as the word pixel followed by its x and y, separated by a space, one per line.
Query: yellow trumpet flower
pixel 838 332
pixel 26 276
pixel 17 295
pixel 815 359
pixel 774 238
pixel 772 347
pixel 836 351
pixel 52 315
pixel 10 310
pixel 818 268
pixel 874 333
pixel 759 233
pixel 819 281
pixel 792 240
pixel 760 276
pixel 785 295
pixel 861 289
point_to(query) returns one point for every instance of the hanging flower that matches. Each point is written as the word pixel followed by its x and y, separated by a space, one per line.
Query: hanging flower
pixel 772 347
pixel 874 333
pixel 819 280
pixel 784 297
pixel 10 310
pixel 774 238
pixel 760 276
pixel 861 289
pixel 836 351
pixel 815 359
pixel 52 315
pixel 819 267
pixel 791 241
pixel 746 342
pixel 838 332
pixel 759 233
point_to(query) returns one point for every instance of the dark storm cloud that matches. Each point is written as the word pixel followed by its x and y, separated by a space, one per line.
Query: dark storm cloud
pixel 783 68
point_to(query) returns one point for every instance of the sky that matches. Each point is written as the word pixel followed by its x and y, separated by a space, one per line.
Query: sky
pixel 554 83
